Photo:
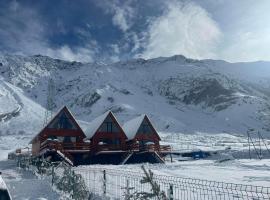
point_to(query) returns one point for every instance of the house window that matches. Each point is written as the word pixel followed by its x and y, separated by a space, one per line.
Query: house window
pixel 109 126
pixel 145 128
pixel 68 139
pixel 63 122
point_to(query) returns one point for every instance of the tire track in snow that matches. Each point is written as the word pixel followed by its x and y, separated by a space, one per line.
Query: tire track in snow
pixel 14 113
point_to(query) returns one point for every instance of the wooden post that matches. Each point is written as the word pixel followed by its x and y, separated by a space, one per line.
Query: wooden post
pixel 127 190
pixel 260 145
pixel 249 145
pixel 104 182
pixel 170 192
pixel 52 174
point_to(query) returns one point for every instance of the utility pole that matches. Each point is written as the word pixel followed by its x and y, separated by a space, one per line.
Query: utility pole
pixel 49 102
pixel 250 140
pixel 263 142
pixel 260 154
pixel 249 145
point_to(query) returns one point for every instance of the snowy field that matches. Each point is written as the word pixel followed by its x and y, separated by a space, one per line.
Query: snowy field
pixel 249 172
pixel 211 142
pixel 23 185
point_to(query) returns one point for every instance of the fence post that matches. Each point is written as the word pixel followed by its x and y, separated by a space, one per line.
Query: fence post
pixel 104 182
pixel 170 192
pixel 52 174
pixel 127 190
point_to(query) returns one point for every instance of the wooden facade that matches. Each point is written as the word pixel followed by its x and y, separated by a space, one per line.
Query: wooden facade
pixel 106 134
pixel 62 130
pixel 142 134
pixel 102 141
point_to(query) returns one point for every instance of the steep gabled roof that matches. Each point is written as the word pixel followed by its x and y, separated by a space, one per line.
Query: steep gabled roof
pixel 132 126
pixel 94 125
pixel 64 109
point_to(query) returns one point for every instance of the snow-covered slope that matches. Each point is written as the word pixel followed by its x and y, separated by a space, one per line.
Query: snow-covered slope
pixel 178 94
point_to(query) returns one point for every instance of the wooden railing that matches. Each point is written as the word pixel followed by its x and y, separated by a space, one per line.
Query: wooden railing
pixel 149 147
pixel 54 145
pixel 109 147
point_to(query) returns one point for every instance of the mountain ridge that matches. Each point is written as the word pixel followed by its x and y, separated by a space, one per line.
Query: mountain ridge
pixel 180 94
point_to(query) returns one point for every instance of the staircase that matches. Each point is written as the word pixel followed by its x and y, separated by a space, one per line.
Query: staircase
pixel 126 157
pixel 66 157
pixel 158 158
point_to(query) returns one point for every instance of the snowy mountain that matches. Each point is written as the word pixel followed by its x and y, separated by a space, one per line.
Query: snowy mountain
pixel 178 94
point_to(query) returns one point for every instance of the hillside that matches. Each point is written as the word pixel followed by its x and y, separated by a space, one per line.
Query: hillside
pixel 179 94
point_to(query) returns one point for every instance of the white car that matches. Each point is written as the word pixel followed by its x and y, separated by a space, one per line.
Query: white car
pixel 4 193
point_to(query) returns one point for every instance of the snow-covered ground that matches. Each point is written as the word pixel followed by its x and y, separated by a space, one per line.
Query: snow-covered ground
pixel 23 185
pixel 248 172
pixel 213 142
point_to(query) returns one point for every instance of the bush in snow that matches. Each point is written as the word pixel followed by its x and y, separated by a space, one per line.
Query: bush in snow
pixel 72 184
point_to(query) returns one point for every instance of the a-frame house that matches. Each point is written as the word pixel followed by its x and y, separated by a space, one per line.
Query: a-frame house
pixel 143 141
pixel 106 134
pixel 141 133
pixel 62 134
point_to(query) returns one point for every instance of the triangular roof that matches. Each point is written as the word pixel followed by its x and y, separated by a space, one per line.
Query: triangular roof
pixel 132 126
pixel 95 124
pixel 65 110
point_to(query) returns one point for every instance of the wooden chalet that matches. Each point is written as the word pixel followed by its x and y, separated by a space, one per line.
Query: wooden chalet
pixel 62 137
pixel 143 140
pixel 106 138
pixel 103 141
pixel 142 134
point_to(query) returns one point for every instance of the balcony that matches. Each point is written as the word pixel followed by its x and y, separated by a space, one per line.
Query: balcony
pixel 149 147
pixel 73 146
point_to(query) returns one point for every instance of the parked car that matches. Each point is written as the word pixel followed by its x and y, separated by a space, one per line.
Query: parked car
pixel 4 193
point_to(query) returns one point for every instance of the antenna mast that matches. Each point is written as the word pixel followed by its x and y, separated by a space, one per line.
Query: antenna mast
pixel 50 102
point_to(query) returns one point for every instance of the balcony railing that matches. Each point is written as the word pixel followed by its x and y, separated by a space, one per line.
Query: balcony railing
pixel 109 147
pixel 82 146
pixel 149 147
pixel 54 145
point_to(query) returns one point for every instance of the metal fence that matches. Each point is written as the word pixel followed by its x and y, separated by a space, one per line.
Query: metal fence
pixel 123 184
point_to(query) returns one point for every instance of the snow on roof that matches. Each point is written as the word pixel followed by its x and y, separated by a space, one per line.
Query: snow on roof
pixel 93 126
pixel 51 120
pixel 131 127
pixel 2 184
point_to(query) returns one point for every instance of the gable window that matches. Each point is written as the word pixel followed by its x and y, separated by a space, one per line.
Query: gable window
pixel 109 126
pixel 63 122
pixel 145 128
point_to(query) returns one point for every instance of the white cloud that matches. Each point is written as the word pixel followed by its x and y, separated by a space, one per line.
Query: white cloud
pixel 123 14
pixel 25 34
pixel 184 28
pixel 122 17
pixel 66 53
pixel 247 46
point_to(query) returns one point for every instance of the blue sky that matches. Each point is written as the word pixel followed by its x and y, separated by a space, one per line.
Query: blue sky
pixel 109 31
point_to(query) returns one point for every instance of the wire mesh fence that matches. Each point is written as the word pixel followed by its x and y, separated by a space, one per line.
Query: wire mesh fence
pixel 108 183
pixel 123 184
